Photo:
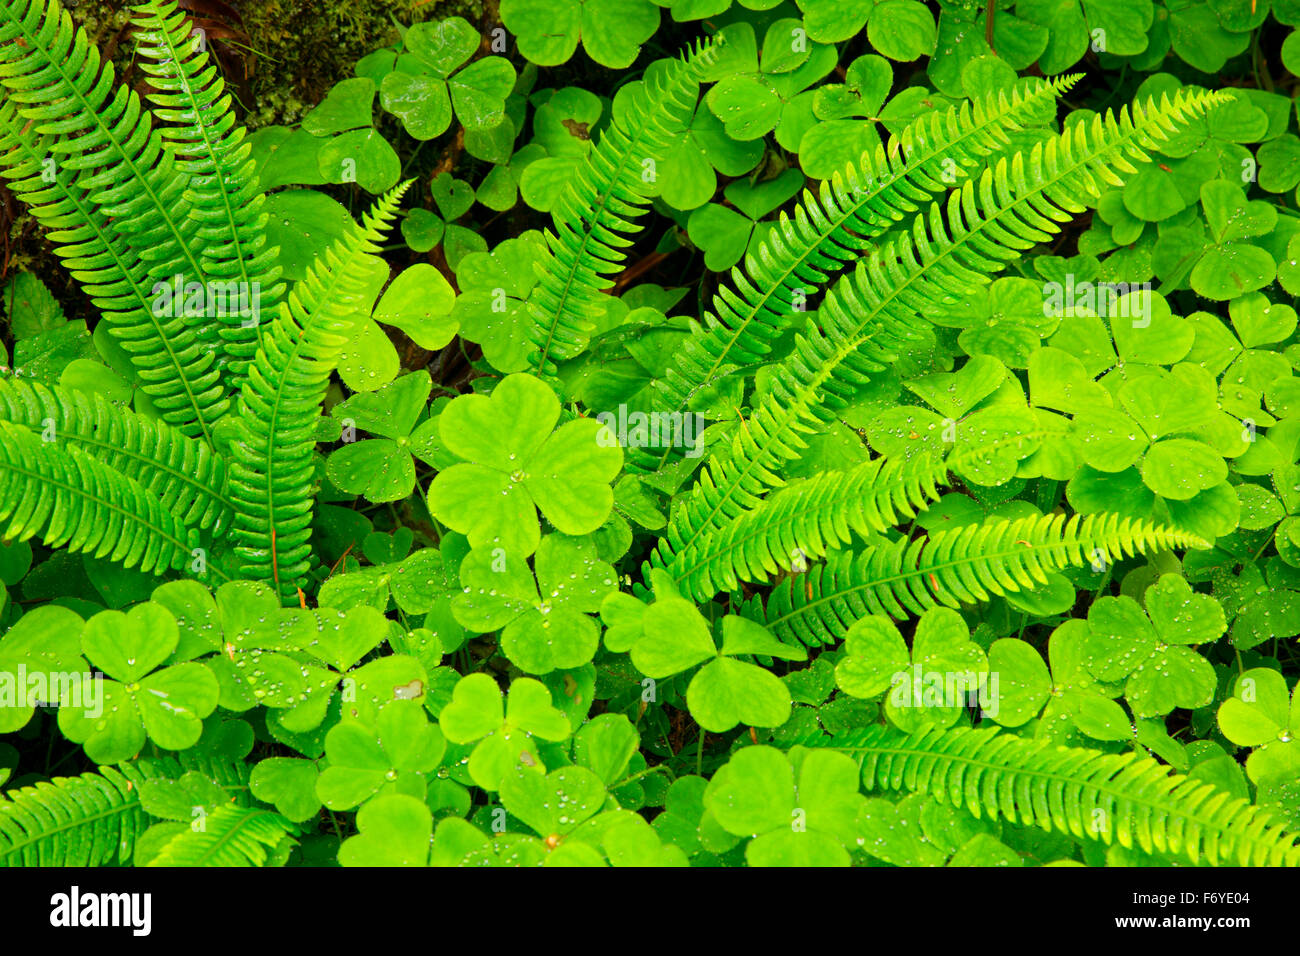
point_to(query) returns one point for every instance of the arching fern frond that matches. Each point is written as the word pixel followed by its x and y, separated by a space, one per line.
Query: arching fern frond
pixel 805 520
pixel 73 501
pixel 231 836
pixel 274 434
pixel 595 213
pixel 185 475
pixel 950 568
pixel 115 206
pixel 952 248
pixel 224 196
pixel 1114 798
pixel 834 226
pixel 90 820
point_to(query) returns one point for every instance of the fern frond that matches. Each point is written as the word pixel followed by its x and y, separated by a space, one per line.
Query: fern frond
pixel 595 214
pixel 185 475
pixel 833 226
pixel 803 521
pixel 1136 800
pixel 271 468
pixel 71 500
pixel 950 568
pixel 224 196
pixel 953 247
pixel 231 836
pixel 90 820
pixel 115 206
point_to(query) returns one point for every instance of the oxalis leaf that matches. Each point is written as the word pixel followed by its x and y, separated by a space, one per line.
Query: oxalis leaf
pixel 516 462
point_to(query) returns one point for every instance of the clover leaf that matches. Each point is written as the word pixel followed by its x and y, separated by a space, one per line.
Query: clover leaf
pixel 179 799
pixel 140 701
pixel 1171 408
pixel 491 308
pixel 1249 357
pixel 1004 320
pixel 1118 27
pixel 1067 695
pixel 348 105
pixel 394 830
pixel 393 755
pixel 1232 266
pixel 944 672
pixel 1262 715
pixel 901 29
pixel 563 126
pixel 800 809
pixel 832 21
pixel 605 745
pixel 288 783
pixel 295 661
pixel 1265 607
pixel 687 824
pixel 725 233
pixel 430 78
pixel 459 843
pixel 671 636
pixel 352 151
pixel 44 643
pixel 517 462
pixel 302 223
pixel 423 229
pixel 754 96
pixel 1150 652
pixel 503 736
pixel 360 156
pixel 369 361
pixel 611 31
pixel 421 583
pixel 419 302
pixel 546 621
pixel 896 832
pixel 381 469
pixel 686 175
pixel 634 842
pixel 555 804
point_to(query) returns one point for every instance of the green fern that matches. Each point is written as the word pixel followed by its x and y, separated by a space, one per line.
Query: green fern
pixel 91 820
pixel 224 196
pixel 955 246
pixel 806 520
pixel 594 214
pixel 71 500
pixel 116 208
pixel 230 836
pixel 1114 798
pixel 838 224
pixel 183 474
pixel 950 568
pixel 272 472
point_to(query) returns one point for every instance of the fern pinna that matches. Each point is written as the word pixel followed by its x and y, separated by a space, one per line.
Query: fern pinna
pixel 373 667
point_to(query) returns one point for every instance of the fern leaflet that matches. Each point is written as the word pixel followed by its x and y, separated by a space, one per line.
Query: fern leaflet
pixel 1035 783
